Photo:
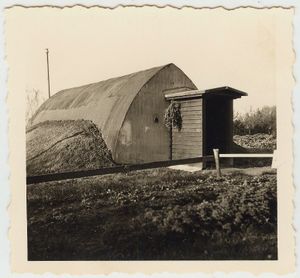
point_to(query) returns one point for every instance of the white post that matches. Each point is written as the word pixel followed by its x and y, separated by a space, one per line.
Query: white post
pixel 274 160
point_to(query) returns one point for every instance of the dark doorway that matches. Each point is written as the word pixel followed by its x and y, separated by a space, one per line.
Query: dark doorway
pixel 218 123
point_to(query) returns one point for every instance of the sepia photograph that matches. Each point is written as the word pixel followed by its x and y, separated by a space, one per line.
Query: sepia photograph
pixel 152 129
pixel 151 134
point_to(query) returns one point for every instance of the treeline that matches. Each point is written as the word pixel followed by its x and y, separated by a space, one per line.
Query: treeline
pixel 261 120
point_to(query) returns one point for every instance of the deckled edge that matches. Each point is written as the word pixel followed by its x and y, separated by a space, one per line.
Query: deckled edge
pixel 4 79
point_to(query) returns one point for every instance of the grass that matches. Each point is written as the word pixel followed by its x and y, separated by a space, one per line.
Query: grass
pixel 256 143
pixel 60 146
pixel 158 214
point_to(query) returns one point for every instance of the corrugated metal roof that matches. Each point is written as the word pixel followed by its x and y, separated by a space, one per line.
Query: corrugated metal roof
pixel 96 92
pixel 105 102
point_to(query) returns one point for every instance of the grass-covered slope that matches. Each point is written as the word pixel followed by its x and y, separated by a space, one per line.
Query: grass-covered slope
pixel 259 142
pixel 60 146
pixel 255 143
pixel 154 215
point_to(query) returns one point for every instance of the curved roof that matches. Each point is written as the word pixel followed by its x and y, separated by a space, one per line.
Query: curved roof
pixel 105 102
pixel 89 94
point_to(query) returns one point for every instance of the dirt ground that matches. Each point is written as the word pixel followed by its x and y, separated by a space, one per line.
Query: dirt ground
pixel 251 171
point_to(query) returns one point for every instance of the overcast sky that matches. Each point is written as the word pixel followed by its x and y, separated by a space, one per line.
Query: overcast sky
pixel 214 47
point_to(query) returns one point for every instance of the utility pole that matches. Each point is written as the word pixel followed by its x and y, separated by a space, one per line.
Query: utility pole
pixel 48 74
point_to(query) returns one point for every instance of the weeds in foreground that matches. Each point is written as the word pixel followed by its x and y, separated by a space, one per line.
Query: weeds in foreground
pixel 154 214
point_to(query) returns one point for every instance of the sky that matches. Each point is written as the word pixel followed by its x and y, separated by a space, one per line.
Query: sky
pixel 214 47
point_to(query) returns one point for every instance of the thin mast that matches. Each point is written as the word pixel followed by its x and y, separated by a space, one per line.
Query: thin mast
pixel 48 74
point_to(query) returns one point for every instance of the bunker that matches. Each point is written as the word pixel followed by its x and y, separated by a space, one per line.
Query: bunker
pixel 129 111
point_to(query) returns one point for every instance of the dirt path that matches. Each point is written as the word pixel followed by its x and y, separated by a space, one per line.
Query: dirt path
pixel 252 171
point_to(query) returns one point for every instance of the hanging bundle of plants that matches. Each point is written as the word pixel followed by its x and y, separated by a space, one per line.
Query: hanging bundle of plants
pixel 173 116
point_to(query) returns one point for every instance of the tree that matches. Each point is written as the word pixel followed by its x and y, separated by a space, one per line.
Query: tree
pixel 34 99
pixel 262 120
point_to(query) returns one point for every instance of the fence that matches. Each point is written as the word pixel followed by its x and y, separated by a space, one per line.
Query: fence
pixel 126 168
pixel 217 157
pixel 115 169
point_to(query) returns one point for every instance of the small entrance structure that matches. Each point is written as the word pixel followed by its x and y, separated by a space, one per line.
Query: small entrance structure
pixel 207 122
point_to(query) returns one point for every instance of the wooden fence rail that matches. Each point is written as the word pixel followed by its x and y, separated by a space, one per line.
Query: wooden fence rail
pixel 126 168
pixel 246 155
pixel 217 157
pixel 114 169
